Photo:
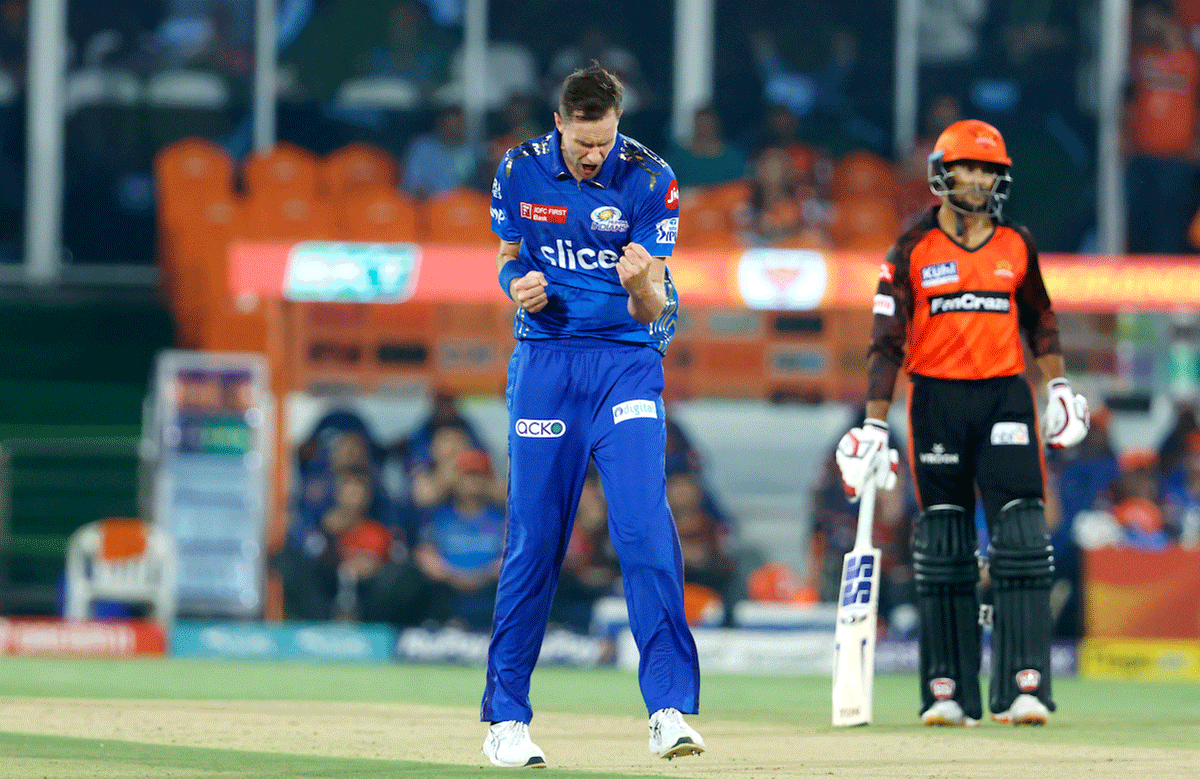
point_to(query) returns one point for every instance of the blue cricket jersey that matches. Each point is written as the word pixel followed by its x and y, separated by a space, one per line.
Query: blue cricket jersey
pixel 574 232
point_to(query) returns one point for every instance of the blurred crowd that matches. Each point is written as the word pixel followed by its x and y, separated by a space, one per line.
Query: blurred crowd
pixel 411 533
pixel 798 88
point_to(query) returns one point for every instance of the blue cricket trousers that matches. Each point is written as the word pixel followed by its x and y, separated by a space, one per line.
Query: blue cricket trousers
pixel 568 400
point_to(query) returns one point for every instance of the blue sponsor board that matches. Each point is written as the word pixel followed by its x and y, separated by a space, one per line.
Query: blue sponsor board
pixel 286 641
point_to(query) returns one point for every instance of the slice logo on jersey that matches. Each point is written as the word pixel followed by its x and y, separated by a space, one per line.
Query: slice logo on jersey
pixel 987 302
pixel 1004 269
pixel 609 219
pixel 887 271
pixel 635 409
pixel 668 230
pixel 939 273
pixel 1010 434
pixel 1028 680
pixel 672 199
pixel 540 428
pixel 538 212
pixel 565 256
pixel 885 305
pixel 938 456
pixel 942 688
pixel 496 187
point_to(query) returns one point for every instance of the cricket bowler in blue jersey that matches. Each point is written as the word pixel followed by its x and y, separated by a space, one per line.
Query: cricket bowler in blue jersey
pixel 586 219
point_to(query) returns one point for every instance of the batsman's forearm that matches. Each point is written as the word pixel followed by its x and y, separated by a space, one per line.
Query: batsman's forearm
pixel 878 409
pixel 1052 366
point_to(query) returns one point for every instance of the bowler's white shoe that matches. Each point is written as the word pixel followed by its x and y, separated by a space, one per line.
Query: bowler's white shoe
pixel 508 745
pixel 671 737
pixel 1025 710
pixel 949 714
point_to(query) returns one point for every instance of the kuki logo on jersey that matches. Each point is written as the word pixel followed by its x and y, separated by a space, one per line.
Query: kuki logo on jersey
pixel 609 219
pixel 941 273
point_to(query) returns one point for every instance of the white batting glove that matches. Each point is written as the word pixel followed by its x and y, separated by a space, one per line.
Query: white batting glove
pixel 1067 415
pixel 863 454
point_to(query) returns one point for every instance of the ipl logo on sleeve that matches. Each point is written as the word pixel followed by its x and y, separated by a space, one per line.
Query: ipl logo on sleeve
pixel 667 229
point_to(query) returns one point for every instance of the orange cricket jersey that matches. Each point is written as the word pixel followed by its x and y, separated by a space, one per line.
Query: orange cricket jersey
pixel 964 322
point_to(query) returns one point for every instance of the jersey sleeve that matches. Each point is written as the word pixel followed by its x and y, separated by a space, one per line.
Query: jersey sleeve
pixel 1034 312
pixel 892 307
pixel 656 224
pixel 504 211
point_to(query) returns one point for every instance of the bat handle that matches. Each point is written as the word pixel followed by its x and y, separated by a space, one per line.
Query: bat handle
pixel 866 516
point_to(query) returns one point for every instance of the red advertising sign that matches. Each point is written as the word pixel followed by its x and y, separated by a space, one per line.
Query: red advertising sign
pixel 79 638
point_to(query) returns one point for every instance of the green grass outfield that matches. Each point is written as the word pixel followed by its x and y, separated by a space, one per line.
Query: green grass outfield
pixel 1136 714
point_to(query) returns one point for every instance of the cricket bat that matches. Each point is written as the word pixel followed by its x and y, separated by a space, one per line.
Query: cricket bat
pixel 854 636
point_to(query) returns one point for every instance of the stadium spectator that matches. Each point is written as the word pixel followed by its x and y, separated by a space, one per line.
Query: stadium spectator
pixel 459 546
pixel 705 561
pixel 442 159
pixel 516 125
pixel 782 207
pixel 596 44
pixel 339 570
pixel 1174 445
pixel 705 157
pixel 416 49
pixel 948 45
pixel 1160 132
pixel 1137 497
pixel 1182 495
pixel 590 567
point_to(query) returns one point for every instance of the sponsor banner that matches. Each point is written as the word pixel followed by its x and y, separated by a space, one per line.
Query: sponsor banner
pixel 727 650
pixel 452 645
pixel 352 272
pixel 845 280
pixel 1139 659
pixel 783 279
pixel 284 641
pixel 1137 593
pixel 81 638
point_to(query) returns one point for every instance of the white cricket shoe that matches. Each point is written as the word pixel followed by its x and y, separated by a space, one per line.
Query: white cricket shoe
pixel 508 745
pixel 671 737
pixel 947 714
pixel 1025 710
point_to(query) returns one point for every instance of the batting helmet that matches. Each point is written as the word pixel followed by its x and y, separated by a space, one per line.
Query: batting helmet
pixel 975 141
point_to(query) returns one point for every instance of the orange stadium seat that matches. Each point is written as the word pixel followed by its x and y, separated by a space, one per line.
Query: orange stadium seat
pixel 283 170
pixel 377 213
pixel 706 220
pixel 188 167
pixel 290 218
pixel 459 216
pixel 863 173
pixel 354 167
pixel 856 218
pixel 194 268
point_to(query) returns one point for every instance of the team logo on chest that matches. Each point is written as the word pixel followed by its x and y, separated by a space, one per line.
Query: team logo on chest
pixel 609 219
pixel 939 273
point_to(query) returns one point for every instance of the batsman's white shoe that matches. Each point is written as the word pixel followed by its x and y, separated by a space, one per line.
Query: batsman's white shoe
pixel 671 737
pixel 508 745
pixel 1025 710
pixel 947 714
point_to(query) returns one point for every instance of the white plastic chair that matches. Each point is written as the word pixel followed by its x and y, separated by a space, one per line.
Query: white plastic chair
pixel 125 561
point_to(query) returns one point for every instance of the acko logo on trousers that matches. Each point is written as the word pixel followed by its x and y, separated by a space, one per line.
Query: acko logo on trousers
pixel 540 428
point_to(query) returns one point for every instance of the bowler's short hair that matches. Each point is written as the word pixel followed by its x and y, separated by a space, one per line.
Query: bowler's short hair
pixel 589 94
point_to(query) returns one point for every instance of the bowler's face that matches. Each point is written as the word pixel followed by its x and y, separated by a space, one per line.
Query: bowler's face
pixel 586 143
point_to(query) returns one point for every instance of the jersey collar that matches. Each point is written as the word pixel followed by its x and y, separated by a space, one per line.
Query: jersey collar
pixel 603 178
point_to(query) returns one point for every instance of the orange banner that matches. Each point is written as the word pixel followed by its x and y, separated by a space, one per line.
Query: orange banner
pixel 768 279
pixel 1133 593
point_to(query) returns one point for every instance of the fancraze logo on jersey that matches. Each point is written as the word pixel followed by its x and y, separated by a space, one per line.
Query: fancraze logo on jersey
pixel 540 428
pixel 990 302
pixel 564 256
